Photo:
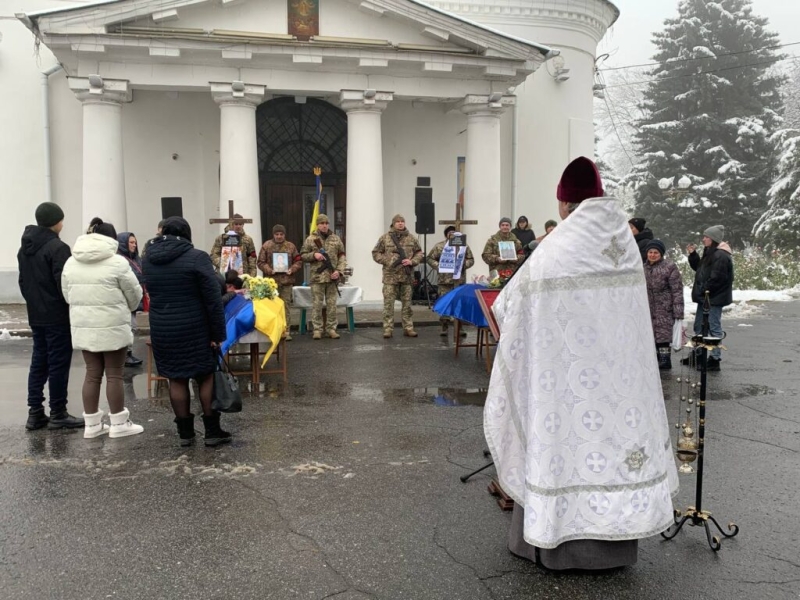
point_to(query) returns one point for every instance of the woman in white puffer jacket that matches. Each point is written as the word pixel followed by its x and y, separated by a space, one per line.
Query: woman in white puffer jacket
pixel 101 291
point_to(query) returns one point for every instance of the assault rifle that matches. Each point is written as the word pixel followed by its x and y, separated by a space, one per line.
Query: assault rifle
pixel 401 255
pixel 326 265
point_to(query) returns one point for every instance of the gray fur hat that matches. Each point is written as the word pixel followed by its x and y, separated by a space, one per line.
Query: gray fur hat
pixel 716 233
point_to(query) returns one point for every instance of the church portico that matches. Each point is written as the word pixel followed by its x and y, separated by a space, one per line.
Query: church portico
pixel 451 75
pixel 365 202
pixel 238 155
pixel 103 165
pixel 482 178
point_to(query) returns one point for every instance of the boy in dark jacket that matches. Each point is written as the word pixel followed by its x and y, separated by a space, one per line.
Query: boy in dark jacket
pixel 41 259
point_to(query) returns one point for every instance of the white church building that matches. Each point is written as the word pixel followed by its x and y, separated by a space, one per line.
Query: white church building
pixel 133 109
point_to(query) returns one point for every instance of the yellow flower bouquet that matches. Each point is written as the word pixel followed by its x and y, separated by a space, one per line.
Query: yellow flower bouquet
pixel 260 288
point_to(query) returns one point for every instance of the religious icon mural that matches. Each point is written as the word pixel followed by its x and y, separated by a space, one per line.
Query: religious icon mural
pixel 303 18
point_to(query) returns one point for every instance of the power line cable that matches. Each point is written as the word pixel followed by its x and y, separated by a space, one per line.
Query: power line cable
pixel 720 70
pixel 715 57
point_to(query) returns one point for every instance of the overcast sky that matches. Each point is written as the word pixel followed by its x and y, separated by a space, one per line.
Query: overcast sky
pixel 628 41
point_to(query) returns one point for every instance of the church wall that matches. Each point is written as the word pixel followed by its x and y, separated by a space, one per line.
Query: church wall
pixel 66 149
pixel 343 19
pixel 242 16
pixel 554 122
pixel 156 126
pixel 434 137
pixel 22 157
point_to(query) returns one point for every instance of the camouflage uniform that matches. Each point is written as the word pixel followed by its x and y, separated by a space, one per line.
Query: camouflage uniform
pixel 323 288
pixel 491 252
pixel 397 280
pixel 446 283
pixel 248 252
pixel 285 281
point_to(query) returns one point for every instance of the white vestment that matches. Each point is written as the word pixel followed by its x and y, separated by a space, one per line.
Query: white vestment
pixel 575 415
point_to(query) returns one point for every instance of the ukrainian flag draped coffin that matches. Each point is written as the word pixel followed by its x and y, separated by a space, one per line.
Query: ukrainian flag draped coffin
pixel 243 315
pixel 462 303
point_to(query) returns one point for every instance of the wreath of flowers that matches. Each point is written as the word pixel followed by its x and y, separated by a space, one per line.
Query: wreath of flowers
pixel 260 288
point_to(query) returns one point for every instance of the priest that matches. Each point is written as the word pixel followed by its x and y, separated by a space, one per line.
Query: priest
pixel 575 416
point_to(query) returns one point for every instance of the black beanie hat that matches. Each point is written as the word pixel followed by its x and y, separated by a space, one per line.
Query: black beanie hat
pixel 49 214
pixel 638 222
pixel 658 245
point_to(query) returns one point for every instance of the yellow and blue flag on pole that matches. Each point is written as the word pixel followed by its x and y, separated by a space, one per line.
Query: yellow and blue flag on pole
pixel 315 213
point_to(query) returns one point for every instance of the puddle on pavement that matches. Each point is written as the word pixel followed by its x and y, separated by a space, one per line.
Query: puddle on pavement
pixel 745 391
pixel 354 391
pixel 458 397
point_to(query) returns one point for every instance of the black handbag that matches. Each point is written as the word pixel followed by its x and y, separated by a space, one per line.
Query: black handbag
pixel 226 398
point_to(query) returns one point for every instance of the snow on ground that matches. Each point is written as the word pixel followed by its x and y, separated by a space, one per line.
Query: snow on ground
pixel 746 303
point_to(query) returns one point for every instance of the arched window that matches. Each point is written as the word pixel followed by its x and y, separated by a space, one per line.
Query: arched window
pixel 294 138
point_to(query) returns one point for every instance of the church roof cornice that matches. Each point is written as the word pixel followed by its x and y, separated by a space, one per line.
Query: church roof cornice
pixel 101 17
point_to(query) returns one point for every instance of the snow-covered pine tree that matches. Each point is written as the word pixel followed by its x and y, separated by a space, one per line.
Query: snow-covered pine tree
pixel 710 108
pixel 779 226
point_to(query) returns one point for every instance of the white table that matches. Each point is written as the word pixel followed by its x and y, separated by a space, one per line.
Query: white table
pixel 351 295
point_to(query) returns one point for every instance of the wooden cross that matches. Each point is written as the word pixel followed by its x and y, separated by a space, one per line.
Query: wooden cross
pixel 230 218
pixel 459 220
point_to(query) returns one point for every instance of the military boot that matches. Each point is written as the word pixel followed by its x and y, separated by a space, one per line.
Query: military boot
pixel 317 335
pixel 387 333
pixel 443 332
pixel 36 419
pixel 333 335
pixel 409 333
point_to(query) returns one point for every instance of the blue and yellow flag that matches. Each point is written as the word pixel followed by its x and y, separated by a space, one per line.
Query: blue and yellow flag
pixel 315 213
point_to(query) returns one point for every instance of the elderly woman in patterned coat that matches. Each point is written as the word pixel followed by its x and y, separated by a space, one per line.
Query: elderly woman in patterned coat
pixel 665 295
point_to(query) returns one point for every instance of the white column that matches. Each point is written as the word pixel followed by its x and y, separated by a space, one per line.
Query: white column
pixel 103 166
pixel 483 175
pixel 365 214
pixel 238 152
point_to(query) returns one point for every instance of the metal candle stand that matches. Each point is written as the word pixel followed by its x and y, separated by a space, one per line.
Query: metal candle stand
pixel 686 452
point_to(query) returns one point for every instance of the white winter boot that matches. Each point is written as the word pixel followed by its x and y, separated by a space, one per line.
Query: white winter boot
pixel 93 425
pixel 122 426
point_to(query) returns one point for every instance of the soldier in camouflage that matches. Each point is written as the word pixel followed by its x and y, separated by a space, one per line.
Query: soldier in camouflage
pixel 399 252
pixel 246 245
pixel 284 279
pixel 491 252
pixel 318 246
pixel 446 283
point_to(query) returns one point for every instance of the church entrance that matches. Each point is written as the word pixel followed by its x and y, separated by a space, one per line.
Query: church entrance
pixel 293 138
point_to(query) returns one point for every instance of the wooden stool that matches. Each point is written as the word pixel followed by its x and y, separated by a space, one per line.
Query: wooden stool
pixel 255 354
pixel 151 374
pixel 485 344
pixel 460 343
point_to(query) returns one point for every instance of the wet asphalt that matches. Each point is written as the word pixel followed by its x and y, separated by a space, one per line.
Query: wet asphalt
pixel 344 483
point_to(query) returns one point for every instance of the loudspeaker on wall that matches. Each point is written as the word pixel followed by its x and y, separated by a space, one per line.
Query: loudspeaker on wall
pixel 171 207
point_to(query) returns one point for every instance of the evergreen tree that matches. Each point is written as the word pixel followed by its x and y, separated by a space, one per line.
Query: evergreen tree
pixel 779 226
pixel 710 110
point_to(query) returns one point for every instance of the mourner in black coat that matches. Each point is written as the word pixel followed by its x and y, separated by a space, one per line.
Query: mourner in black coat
pixel 187 324
pixel 713 274
pixel 643 235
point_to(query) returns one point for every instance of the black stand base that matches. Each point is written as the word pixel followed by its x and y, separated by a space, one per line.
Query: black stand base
pixel 700 517
pixel 466 477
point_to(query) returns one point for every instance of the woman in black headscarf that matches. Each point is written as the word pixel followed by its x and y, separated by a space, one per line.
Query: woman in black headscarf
pixel 187 324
